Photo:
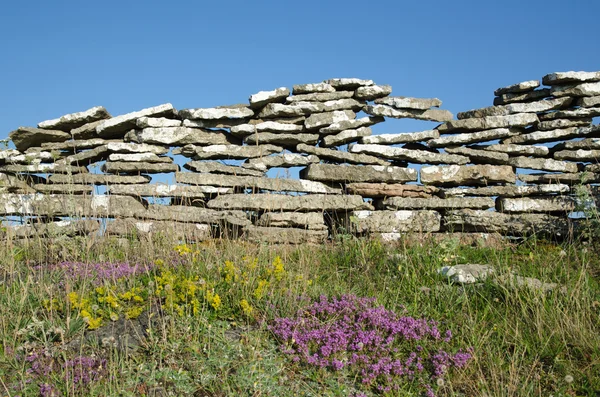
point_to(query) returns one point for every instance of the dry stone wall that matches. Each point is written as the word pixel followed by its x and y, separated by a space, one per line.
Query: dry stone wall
pixel 511 168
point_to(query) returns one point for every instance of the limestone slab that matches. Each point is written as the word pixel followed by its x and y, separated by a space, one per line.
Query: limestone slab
pixel 86 157
pixel 216 152
pixel 160 190
pixel 218 113
pixel 559 78
pixel 52 229
pixel 273 110
pixel 588 102
pixel 473 137
pixel 342 104
pixel 358 173
pixel 395 221
pixel 557 124
pixel 348 124
pixel 401 102
pixel 543 164
pixel 320 120
pixel 219 124
pixel 434 203
pixel 157 122
pixel 74 144
pixel 488 123
pixel 184 213
pixel 341 156
pixel 280 202
pixel 261 98
pixel 173 230
pixel 528 107
pixel 26 137
pixel 129 147
pixel 587 143
pixel 352 83
pixel 555 135
pixel 303 220
pixel 524 86
pixel 571 179
pixel 44 168
pixel 99 179
pixel 346 136
pixel 456 175
pixel 86 131
pixel 144 157
pixel 580 113
pixel 312 88
pixel 388 111
pixel 293 139
pixel 467 220
pixel 578 155
pixel 118 125
pixel 320 96
pixel 410 155
pixel 513 149
pixel 180 136
pixel 392 139
pixel 267 126
pixel 522 97
pixel 63 189
pixel 122 167
pixel 219 168
pixel 507 191
pixel 284 235
pixel 378 190
pixel 285 160
pixel 585 89
pixel 479 156
pixel 369 93
pixel 538 204
pixel 75 120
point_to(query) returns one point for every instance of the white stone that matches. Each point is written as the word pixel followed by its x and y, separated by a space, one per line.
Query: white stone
pixel 124 121
pixel 156 122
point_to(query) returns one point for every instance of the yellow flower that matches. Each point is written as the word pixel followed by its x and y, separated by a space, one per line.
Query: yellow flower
pixel 259 292
pixel 246 307
pixel 216 302
pixel 94 323
pixel 278 268
pixel 74 299
pixel 134 312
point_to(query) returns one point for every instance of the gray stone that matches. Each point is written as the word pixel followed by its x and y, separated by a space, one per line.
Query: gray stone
pixel 99 179
pixel 273 110
pixel 224 152
pixel 180 136
pixel 556 124
pixel 52 229
pixel 575 114
pixel 294 139
pixel 117 126
pixel 346 137
pixel 215 167
pixel 261 98
pixel 156 122
pixel 128 147
pixel 488 123
pixel 284 235
pixel 222 123
pixel 299 120
pixel 218 113
pixel 184 213
pixel 558 78
pixel 303 220
pixel 280 202
pixel 8 154
pixel 456 175
pixel 75 120
pixel 74 145
pixel 542 164
pixel 595 168
pixel 341 156
pixel 585 89
pixel 388 111
pixel 524 86
pixel 473 137
pixel 527 150
pixel 145 157
pixel 267 126
pixel 173 230
pixel 285 160
pixel 413 156
pixel 26 137
pixel 138 167
pixel 571 179
pixel 63 189
pixel 342 84
pixel 392 139
pixel 578 155
pixel 368 93
pixel 401 102
pixel 466 274
pixel 522 97
pixel 507 191
pixel 505 110
pixel 588 143
pixel 325 119
pixel 516 281
pixel 51 168
pixel 395 221
pixel 86 157
pixel 252 182
pixel 312 88
pixel 19 183
pixel 378 190
pixel 30 157
pixel 467 220
pixel 358 173
pixel 86 131
pixel 156 190
pixel 479 156
pixel 538 204
pixel 342 104
pixel 320 96
pixel 402 203
pixel 555 135
pixel 588 102
pixel 343 125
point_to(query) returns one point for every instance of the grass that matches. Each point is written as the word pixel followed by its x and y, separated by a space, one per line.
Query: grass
pixel 199 339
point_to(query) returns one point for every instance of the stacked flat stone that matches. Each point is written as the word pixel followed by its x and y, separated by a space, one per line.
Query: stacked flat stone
pixel 509 168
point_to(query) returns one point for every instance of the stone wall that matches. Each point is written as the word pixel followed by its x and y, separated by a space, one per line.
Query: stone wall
pixel 510 168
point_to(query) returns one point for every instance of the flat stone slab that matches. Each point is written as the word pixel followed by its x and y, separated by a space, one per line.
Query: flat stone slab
pixel 285 160
pixel 505 110
pixel 581 113
pixel 403 203
pixel 571 179
pixel 138 167
pixel 180 136
pixel 261 98
pixel 215 167
pixel 345 137
pixel 368 93
pixel 273 110
pixel 358 173
pixel 294 139
pixel 488 123
pixel 507 191
pixel 160 190
pixel 252 182
pixel 218 113
pixel 52 229
pixel 473 137
pixel 352 83
pixel 99 179
pixel 543 164
pixel 588 143
pixel 224 152
pixel 173 230
pixel 15 157
pixel 156 122
pixel 43 168
pixel 86 157
pixel 514 149
pixel 378 190
pixel 592 168
pixel 302 220
pixel 69 205
pixel 410 155
pixel 117 126
pixel 456 175
pixel 280 202
pixel 406 137
pixel 19 183
pixel 320 96
pixel 319 120
pixel 26 137
pixel 184 213
pixel 467 220
pixel 466 274
pixel 341 156
pixel 538 204
pixel 75 120
pixel 522 97
pixel 584 89
pixel 86 131
pixel 479 156
pixel 388 111
pixel 142 157
pixel 559 78
pixel 221 123
pixel 267 126
pixel 557 124
pixel 587 102
pixel 555 135
pixel 63 189
pixel 343 125
pixel 128 147
pixel 311 88
pixel 578 155
pixel 283 235
pixel 75 144
pixel 402 102
pixel 524 86
pixel 424 221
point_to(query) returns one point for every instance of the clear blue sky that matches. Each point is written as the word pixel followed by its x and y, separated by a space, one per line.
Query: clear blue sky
pixel 65 56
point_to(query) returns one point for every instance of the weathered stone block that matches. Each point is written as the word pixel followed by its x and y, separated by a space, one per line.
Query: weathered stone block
pixel 456 175
pixel 358 173
pixel 395 221
pixel 280 202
